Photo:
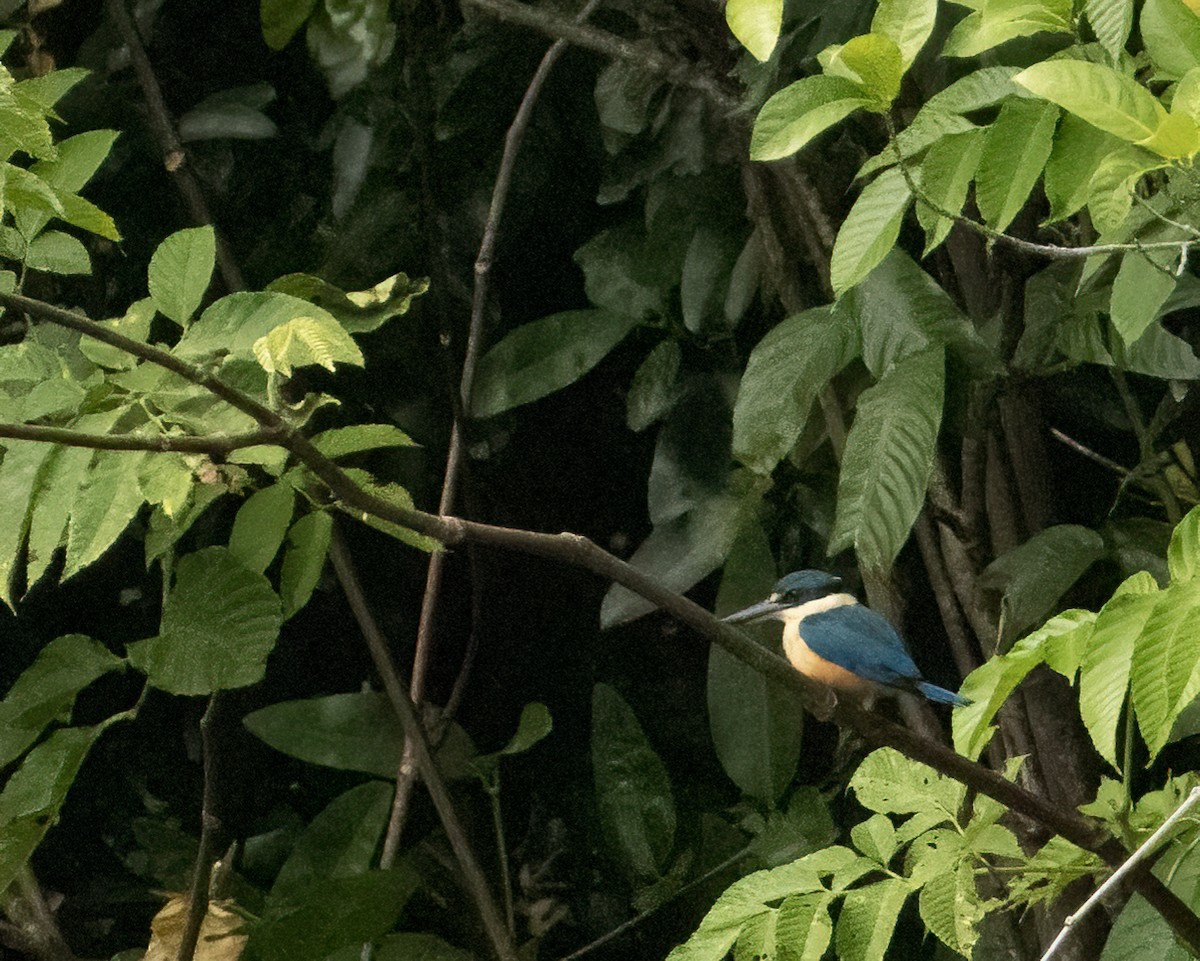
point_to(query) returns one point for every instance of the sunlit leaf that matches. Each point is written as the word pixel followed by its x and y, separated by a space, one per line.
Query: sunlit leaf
pixel 797 113
pixel 1015 151
pixel 756 24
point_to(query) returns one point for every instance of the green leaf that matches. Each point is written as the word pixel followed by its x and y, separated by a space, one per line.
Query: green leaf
pixel 756 24
pixel 870 230
pixel 868 918
pixel 534 725
pixel 18 475
pixel 180 272
pixel 887 782
pixel 1142 286
pixel 361 311
pixel 681 552
pixel 871 61
pixel 907 23
pixel 753 896
pixel 902 311
pixel 624 273
pixel 655 386
pixel 704 280
pixel 87 216
pixel 756 724
pixel 166 481
pixel 1110 192
pixel 57 253
pixel 306 342
pixel 1106 667
pixel 340 842
pixel 993 24
pixel 945 175
pixel 633 792
pixel 344 441
pixel 1183 554
pixel 1171 32
pixel 1164 676
pixel 78 159
pixel 990 684
pixel 261 525
pixel 219 623
pixel 330 914
pixel 979 90
pixel 46 690
pixel 797 113
pixel 804 925
pixel 233 324
pixel 282 18
pixel 784 374
pixel 542 357
pixel 1078 150
pixel 805 826
pixel 1033 576
pixel 35 792
pixel 45 91
pixel 303 560
pixel 1098 94
pixel 1111 21
pixel 350 732
pixel 24 188
pixel 63 473
pixel 396 495
pixel 888 458
pixel 1140 931
pixel 108 500
pixel 1014 153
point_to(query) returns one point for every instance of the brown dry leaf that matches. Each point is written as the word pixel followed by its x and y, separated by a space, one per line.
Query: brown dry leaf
pixel 218 942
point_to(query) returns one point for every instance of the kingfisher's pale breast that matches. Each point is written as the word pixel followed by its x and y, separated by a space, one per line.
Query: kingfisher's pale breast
pixel 810 664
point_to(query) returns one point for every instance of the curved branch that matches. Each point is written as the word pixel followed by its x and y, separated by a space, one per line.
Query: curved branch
pixel 577 551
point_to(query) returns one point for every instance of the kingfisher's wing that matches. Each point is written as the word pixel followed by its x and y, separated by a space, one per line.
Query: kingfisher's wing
pixel 863 642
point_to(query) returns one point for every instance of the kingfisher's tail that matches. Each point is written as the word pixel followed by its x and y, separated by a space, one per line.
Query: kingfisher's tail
pixel 941 696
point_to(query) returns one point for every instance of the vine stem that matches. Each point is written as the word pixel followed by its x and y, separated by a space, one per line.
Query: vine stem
pixel 1049 251
pixel 206 850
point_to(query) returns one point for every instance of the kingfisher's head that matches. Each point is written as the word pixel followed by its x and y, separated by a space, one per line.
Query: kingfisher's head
pixel 790 591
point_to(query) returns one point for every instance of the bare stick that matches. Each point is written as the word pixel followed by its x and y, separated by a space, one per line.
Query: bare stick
pixel 162 126
pixel 1147 847
pixel 206 851
pixel 473 877
pixel 639 52
pixel 423 654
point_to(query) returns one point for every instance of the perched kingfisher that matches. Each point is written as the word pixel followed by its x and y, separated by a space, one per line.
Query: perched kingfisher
pixel 829 637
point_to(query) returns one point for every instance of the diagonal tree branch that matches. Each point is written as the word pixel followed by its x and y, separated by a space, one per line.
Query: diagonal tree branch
pixel 578 551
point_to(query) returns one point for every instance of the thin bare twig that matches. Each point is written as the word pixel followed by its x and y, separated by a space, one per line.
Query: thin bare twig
pixel 210 824
pixel 423 654
pixel 577 551
pixel 473 877
pixel 1135 859
pixel 640 53
pixel 174 157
